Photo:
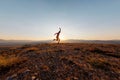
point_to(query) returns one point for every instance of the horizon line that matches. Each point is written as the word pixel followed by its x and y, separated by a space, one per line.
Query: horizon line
pixel 61 39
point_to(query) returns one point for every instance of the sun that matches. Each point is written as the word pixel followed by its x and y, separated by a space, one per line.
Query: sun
pixel 62 37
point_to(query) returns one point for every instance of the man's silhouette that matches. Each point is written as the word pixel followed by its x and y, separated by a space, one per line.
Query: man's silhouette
pixel 57 36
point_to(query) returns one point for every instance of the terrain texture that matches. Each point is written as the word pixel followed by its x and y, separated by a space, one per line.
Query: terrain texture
pixel 65 61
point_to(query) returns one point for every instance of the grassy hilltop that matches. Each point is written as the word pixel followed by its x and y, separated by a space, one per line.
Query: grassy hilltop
pixel 66 61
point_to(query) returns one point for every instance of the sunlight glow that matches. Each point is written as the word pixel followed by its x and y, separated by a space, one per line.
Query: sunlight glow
pixel 62 37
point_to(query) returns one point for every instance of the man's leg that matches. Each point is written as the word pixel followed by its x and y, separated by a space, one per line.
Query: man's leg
pixel 58 40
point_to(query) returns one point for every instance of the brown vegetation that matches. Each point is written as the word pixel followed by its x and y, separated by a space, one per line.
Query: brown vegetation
pixel 68 61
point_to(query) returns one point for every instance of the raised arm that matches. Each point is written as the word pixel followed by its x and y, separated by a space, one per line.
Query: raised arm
pixel 59 30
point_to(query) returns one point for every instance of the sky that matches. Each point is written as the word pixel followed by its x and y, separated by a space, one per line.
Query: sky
pixel 78 19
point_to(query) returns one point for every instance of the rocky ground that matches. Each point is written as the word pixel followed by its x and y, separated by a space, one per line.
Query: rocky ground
pixel 65 61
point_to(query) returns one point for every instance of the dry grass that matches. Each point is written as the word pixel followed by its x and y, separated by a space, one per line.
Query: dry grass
pixel 100 63
pixel 7 62
pixel 61 62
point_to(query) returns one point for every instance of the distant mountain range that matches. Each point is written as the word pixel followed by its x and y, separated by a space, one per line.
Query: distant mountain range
pixel 15 42
pixel 93 41
pixel 20 42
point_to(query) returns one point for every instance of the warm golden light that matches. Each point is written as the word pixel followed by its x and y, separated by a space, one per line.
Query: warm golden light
pixel 62 37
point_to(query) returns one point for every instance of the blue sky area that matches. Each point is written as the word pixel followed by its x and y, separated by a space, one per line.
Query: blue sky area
pixel 79 19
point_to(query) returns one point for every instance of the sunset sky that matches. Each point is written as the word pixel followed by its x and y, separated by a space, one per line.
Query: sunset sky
pixel 79 19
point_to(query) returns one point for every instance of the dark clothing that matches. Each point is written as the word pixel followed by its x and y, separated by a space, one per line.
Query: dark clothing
pixel 57 35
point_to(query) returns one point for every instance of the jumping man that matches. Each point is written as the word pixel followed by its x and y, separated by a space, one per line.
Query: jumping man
pixel 57 36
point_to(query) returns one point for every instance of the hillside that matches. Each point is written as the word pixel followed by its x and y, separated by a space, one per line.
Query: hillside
pixel 66 61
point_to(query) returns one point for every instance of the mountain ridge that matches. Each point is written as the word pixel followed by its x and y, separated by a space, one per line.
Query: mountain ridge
pixel 10 42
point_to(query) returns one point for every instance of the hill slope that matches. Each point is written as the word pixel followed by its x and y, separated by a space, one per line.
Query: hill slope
pixel 60 62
